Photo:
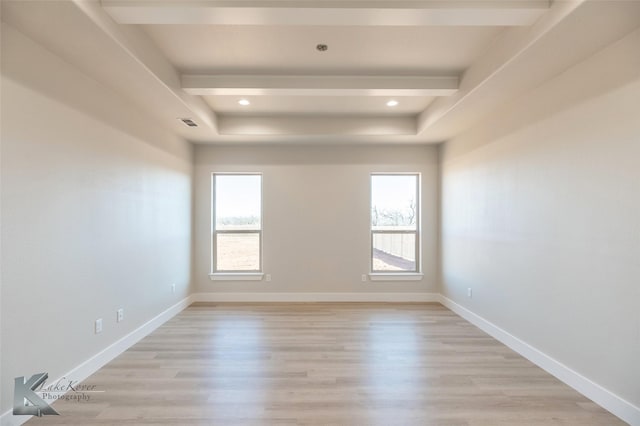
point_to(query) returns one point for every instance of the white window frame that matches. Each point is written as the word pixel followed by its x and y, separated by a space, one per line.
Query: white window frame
pixel 415 275
pixel 239 275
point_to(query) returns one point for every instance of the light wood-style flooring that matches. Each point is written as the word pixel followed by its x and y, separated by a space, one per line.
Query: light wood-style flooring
pixel 325 364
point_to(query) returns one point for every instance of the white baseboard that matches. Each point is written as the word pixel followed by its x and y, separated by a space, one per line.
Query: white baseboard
pixel 93 364
pixel 316 297
pixel 605 398
pixel 616 405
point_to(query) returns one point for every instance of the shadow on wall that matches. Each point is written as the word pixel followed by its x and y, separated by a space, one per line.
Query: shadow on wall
pixel 28 64
pixel 593 81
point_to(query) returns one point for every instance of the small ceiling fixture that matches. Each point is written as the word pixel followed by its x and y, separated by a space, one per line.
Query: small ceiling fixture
pixel 188 122
pixel 244 102
pixel 392 103
pixel 322 47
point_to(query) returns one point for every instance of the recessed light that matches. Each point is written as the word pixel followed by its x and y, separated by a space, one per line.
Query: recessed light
pixel 392 103
pixel 244 102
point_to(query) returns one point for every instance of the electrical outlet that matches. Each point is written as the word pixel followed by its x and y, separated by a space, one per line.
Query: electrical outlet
pixel 120 315
pixel 469 293
pixel 268 277
pixel 364 278
pixel 98 326
pixel 173 288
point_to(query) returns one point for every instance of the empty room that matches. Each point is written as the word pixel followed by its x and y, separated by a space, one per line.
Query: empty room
pixel 318 212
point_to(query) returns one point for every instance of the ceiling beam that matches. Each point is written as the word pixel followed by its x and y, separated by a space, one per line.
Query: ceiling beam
pixel 305 125
pixel 495 64
pixel 328 13
pixel 150 59
pixel 283 85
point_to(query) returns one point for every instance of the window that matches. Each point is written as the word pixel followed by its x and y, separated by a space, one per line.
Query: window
pixel 237 223
pixel 395 223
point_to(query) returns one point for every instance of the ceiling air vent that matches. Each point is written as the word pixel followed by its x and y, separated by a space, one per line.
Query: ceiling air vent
pixel 188 122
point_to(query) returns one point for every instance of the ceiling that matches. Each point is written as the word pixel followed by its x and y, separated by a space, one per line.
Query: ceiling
pixel 445 62
pixel 322 105
pixel 363 50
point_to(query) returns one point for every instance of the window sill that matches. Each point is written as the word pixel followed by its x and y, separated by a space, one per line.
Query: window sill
pixel 382 276
pixel 236 276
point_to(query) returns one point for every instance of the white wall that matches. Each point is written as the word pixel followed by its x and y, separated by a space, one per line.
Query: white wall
pixel 541 217
pixel 316 215
pixel 96 215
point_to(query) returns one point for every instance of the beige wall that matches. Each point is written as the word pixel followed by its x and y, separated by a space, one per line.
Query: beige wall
pixel 541 217
pixel 96 215
pixel 316 215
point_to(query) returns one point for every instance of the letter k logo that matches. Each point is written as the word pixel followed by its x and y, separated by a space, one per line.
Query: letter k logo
pixel 24 392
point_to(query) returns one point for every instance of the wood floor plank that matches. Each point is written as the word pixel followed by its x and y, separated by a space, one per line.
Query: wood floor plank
pixel 325 364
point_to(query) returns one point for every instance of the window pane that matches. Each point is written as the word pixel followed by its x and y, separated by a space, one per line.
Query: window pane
pixel 393 202
pixel 238 202
pixel 238 252
pixel 394 252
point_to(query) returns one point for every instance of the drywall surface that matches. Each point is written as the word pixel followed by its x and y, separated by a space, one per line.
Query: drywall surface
pixel 316 213
pixel 541 218
pixel 96 215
